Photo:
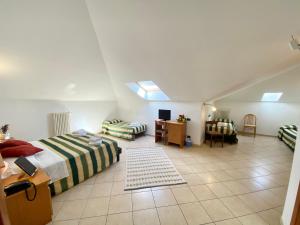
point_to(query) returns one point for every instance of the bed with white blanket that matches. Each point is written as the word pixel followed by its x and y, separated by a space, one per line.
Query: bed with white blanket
pixel 70 159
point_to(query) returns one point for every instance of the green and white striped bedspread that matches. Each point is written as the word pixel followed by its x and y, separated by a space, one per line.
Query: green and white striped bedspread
pixel 82 160
pixel 224 126
pixel 119 128
pixel 288 134
pixel 289 127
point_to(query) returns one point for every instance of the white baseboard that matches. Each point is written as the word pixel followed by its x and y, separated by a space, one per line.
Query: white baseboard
pixel 257 134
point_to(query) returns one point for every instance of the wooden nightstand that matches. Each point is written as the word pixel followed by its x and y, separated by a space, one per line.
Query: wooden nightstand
pixel 36 212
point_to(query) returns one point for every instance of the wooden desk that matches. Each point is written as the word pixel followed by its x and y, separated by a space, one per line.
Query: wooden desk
pixel 36 212
pixel 175 132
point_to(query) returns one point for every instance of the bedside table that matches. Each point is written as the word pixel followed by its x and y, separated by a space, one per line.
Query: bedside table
pixel 25 212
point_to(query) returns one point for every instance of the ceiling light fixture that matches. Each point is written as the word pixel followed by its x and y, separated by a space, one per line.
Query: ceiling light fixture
pixel 294 44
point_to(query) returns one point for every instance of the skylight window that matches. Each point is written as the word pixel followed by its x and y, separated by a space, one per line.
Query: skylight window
pixel 271 97
pixel 148 85
pixel 148 90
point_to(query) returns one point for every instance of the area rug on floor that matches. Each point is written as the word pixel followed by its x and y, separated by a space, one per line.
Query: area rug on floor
pixel 150 167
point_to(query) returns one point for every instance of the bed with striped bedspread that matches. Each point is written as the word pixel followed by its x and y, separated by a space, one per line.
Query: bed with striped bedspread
pixel 288 134
pixel 223 126
pixel 82 160
pixel 121 129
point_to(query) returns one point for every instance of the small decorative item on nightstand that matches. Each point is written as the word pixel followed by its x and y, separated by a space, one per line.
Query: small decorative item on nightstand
pixel 3 132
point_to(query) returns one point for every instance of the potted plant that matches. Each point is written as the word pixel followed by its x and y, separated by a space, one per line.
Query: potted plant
pixel 181 118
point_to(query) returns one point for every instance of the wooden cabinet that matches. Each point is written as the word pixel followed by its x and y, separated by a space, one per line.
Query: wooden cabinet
pixel 176 133
pixel 23 212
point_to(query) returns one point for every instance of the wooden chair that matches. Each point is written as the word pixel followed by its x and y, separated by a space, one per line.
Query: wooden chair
pixel 213 134
pixel 161 131
pixel 250 123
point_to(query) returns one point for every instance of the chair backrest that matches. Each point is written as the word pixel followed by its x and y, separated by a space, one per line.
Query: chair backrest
pixel 210 124
pixel 250 119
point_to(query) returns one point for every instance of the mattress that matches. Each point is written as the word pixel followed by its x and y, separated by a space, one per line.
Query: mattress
pixel 281 129
pixel 82 160
pixel 224 126
pixel 53 164
pixel 126 130
pixel 288 134
pixel 70 160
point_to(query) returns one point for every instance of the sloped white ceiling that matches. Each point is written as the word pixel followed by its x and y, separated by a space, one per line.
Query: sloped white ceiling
pixel 195 50
pixel 288 83
pixel 49 50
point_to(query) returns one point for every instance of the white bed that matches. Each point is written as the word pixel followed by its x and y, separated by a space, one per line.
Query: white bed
pixel 54 165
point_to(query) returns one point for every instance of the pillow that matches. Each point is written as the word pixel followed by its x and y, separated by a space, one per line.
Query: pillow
pixel 12 143
pixel 17 151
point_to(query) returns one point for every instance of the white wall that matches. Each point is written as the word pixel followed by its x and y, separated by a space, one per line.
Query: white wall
pixel 49 50
pixel 293 186
pixel 28 119
pixel 270 116
pixel 147 112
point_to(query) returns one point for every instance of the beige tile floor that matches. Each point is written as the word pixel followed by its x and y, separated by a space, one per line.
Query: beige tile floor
pixel 239 184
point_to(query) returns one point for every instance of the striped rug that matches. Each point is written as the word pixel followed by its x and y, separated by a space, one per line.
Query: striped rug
pixel 150 167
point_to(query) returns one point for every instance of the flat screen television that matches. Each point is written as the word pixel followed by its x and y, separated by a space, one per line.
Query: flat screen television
pixel 164 114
